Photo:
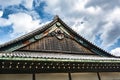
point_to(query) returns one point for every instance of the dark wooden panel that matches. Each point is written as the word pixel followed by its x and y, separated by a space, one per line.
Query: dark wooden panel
pixel 54 44
pixel 53 67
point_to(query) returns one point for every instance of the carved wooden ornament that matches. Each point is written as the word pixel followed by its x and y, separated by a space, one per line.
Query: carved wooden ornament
pixel 59 33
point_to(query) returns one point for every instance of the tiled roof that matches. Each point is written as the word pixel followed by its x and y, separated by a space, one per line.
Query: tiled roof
pixel 41 56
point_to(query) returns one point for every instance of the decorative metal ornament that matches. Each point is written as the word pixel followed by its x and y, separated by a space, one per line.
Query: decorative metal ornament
pixel 58 24
pixel 59 33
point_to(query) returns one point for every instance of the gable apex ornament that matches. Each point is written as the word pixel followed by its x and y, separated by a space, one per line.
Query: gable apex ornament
pixel 59 33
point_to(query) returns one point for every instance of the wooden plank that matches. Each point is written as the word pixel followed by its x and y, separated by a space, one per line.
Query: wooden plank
pixel 99 78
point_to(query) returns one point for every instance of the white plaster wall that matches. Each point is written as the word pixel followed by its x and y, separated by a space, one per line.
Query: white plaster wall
pixel 52 76
pixel 62 76
pixel 110 75
pixel 84 76
pixel 15 77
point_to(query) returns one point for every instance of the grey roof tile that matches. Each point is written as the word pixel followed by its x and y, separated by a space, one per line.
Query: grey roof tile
pixel 56 56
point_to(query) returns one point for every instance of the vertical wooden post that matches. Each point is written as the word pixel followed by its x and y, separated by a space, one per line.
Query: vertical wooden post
pixel 69 76
pixel 98 76
pixel 33 76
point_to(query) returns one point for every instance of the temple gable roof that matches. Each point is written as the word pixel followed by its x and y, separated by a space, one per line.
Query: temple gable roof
pixel 54 37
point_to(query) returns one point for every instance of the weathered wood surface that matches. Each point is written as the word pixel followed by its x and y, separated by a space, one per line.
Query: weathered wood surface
pixel 54 44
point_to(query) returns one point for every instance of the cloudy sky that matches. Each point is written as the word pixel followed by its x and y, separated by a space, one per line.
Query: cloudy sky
pixel 100 19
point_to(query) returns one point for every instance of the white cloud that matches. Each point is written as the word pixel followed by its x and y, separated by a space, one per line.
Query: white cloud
pixel 23 23
pixel 5 3
pixel 110 34
pixel 4 22
pixel 113 15
pixel 26 3
pixel 33 14
pixel 1 13
pixel 63 7
pixel 111 30
pixel 116 51
pixel 37 2
pixel 94 10
pixel 79 5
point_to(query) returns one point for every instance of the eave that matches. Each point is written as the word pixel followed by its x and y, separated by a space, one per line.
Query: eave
pixel 56 57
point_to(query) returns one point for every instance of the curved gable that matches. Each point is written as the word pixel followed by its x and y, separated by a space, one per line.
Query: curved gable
pixel 55 36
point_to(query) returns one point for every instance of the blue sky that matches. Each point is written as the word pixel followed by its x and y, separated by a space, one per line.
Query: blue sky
pixel 101 20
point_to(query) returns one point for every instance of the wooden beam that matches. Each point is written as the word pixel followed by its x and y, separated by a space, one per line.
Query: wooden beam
pixel 33 76
pixel 69 76
pixel 98 76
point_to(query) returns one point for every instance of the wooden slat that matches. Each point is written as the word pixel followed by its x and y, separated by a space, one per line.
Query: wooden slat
pixel 54 44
